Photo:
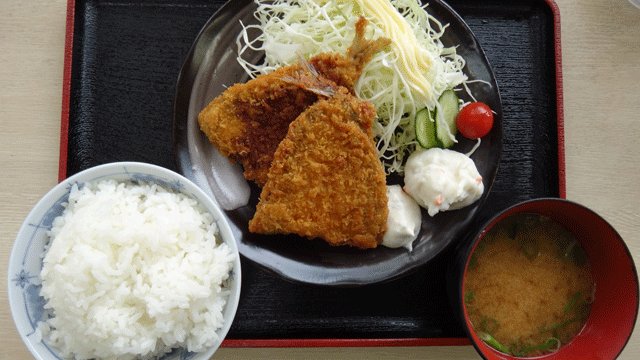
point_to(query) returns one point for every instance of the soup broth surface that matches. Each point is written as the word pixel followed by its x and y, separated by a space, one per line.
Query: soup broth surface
pixel 528 286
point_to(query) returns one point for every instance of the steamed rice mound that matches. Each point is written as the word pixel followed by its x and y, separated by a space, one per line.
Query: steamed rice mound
pixel 132 270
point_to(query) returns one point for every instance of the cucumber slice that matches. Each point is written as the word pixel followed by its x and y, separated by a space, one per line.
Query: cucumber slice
pixel 426 129
pixel 446 123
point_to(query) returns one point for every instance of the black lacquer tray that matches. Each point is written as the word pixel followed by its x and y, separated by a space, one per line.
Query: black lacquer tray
pixel 121 68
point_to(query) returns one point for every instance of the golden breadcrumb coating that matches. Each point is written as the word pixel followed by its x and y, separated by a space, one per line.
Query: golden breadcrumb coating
pixel 326 180
pixel 248 121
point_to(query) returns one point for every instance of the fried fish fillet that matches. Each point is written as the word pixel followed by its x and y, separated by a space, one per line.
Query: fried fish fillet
pixel 247 122
pixel 326 180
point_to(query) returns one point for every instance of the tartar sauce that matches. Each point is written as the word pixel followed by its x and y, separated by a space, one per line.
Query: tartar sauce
pixel 442 179
pixel 404 220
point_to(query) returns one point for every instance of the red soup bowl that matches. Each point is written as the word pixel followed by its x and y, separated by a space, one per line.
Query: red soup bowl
pixel 614 306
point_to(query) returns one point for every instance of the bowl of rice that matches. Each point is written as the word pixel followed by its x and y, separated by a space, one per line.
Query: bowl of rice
pixel 124 261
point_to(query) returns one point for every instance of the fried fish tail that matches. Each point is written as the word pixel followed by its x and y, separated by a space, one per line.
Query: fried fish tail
pixel 346 70
pixel 362 50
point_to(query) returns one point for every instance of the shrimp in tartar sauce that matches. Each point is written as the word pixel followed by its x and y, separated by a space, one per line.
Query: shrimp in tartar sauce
pixel 442 179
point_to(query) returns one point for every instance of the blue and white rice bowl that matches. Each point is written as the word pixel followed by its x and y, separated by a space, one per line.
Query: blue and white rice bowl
pixel 26 261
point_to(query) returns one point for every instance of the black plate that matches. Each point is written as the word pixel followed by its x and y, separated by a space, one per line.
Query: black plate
pixel 211 66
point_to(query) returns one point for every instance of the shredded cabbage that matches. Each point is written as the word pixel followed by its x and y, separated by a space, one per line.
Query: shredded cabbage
pixel 399 81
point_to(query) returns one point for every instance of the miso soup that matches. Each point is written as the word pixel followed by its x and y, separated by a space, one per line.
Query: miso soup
pixel 528 288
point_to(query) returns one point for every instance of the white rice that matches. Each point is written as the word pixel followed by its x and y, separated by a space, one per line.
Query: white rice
pixel 131 270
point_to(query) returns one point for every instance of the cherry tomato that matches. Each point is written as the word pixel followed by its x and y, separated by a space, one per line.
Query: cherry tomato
pixel 475 120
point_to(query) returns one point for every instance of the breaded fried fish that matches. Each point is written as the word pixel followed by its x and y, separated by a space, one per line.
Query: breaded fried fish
pixel 247 122
pixel 326 180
